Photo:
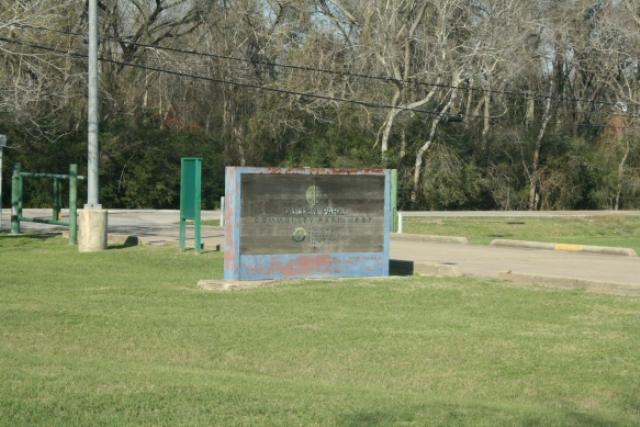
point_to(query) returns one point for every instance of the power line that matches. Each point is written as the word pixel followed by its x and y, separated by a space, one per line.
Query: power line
pixel 387 79
pixel 451 117
pixel 235 83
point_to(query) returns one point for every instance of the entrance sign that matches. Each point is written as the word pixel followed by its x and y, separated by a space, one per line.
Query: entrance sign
pixel 295 223
pixel 190 199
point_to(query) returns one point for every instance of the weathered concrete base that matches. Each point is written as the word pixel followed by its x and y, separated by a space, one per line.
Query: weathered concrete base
pixel 437 270
pixel 565 247
pixel 92 230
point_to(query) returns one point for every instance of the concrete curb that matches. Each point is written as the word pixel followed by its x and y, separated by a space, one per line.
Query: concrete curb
pixel 222 285
pixel 570 283
pixel 564 247
pixel 436 270
pixel 430 238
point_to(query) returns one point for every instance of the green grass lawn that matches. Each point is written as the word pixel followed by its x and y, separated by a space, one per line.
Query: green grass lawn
pixel 597 230
pixel 124 337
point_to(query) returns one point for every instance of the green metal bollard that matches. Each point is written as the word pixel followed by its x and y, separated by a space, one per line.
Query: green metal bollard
pixel 198 234
pixel 73 204
pixel 190 199
pixel 57 199
pixel 16 198
pixel 183 233
pixel 394 200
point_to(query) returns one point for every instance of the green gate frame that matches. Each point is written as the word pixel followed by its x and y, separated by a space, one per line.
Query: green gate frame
pixel 17 191
pixel 190 199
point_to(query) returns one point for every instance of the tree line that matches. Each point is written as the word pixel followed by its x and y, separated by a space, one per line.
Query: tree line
pixel 502 104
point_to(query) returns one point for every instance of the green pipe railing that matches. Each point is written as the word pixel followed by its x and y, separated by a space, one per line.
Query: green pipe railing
pixel 17 191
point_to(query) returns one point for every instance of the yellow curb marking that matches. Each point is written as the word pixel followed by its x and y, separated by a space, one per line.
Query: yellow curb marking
pixel 568 247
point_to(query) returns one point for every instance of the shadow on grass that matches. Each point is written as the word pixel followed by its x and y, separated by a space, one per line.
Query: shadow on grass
pixel 129 242
pixel 398 267
pixel 215 249
pixel 450 414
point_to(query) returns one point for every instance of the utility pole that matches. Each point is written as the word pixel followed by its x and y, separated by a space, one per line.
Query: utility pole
pixel 93 219
pixel 92 170
pixel 3 143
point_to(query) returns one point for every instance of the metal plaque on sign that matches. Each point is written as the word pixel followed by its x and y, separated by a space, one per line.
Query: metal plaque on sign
pixel 297 214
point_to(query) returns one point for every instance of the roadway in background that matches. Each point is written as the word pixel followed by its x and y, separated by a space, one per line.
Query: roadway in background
pixel 167 216
pixel 516 214
pixel 161 227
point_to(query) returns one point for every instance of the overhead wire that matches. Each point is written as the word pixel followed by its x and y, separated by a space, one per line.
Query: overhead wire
pixel 371 104
pixel 388 79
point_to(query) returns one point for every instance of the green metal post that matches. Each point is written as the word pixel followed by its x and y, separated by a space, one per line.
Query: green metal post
pixel 198 236
pixel 73 204
pixel 57 199
pixel 183 220
pixel 190 199
pixel 183 226
pixel 394 200
pixel 198 206
pixel 16 199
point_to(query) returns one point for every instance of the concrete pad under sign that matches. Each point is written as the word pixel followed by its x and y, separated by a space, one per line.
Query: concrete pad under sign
pixel 437 269
pixel 240 285
pixel 227 285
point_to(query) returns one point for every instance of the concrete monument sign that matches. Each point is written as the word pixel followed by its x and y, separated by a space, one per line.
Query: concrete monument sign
pixel 293 223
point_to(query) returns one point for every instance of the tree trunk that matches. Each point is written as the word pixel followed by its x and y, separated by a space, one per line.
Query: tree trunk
pixel 467 110
pixel 621 166
pixel 531 111
pixel 393 113
pixel 425 147
pixel 388 124
pixel 237 135
pixel 533 177
pixel 486 122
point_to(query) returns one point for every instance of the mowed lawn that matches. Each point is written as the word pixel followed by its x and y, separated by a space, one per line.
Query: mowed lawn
pixel 596 230
pixel 125 337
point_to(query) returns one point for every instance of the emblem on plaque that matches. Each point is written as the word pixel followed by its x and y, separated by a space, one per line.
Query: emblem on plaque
pixel 312 195
pixel 299 234
pixel 315 196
